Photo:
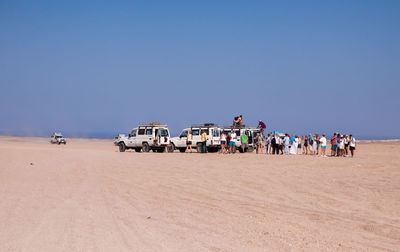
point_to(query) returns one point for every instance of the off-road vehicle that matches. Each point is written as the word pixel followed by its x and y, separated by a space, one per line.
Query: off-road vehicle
pixel 146 137
pixel 57 138
pixel 213 137
pixel 243 129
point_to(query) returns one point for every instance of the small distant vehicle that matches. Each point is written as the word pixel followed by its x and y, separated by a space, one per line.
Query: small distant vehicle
pixel 57 138
pixel 152 136
pixel 213 137
pixel 243 129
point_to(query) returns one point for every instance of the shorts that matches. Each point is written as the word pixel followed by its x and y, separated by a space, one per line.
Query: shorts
pixel 317 146
pixel 232 143
pixel 352 148
pixel 188 143
pixel 323 146
pixel 223 142
pixel 333 147
pixel 299 146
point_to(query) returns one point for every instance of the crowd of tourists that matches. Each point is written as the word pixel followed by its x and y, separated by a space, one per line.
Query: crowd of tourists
pixel 275 143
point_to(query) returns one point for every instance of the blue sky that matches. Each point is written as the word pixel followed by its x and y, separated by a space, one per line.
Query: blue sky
pixel 104 66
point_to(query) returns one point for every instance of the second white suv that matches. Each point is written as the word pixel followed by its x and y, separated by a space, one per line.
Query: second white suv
pixel 213 137
pixel 146 137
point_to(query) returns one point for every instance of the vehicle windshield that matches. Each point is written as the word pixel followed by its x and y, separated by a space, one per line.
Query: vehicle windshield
pixel 164 132
pixel 58 136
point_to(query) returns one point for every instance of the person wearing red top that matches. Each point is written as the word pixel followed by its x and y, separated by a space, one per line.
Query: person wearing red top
pixel 333 145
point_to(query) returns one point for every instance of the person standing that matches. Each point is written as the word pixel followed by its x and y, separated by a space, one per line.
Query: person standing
pixel 318 143
pixel 243 142
pixel 352 144
pixel 322 141
pixel 346 145
pixel 204 142
pixel 258 143
pixel 232 143
pixel 295 143
pixel 305 145
pixel 223 142
pixel 310 144
pixel 189 142
pixel 273 145
pixel 341 146
pixel 333 145
pixel 299 145
pixel 268 144
pixel 286 142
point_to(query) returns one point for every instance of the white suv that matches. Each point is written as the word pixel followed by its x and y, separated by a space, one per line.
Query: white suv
pixel 213 137
pixel 152 136
pixel 57 138
pixel 250 132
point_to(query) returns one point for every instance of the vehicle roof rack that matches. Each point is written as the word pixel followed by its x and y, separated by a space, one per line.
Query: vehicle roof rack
pixel 152 124
pixel 204 125
pixel 236 127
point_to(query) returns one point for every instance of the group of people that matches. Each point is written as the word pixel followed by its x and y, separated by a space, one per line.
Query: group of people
pixel 275 143
pixel 341 145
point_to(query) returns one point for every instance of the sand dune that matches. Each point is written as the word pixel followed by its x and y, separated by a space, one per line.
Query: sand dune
pixel 86 196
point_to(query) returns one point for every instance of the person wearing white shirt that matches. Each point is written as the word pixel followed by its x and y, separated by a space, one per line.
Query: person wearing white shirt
pixel 322 141
pixel 352 145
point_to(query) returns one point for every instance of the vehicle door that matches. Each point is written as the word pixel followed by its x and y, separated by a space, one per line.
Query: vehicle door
pixel 150 136
pixel 238 132
pixel 132 138
pixel 196 136
pixel 216 133
pixel 163 136
pixel 181 141
pixel 140 136
pixel 250 137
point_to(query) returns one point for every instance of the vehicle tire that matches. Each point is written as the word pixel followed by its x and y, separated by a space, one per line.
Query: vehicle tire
pixel 198 148
pixel 138 149
pixel 145 147
pixel 161 150
pixel 122 147
pixel 171 148
pixel 65 143
pixel 250 149
pixel 58 143
pixel 182 149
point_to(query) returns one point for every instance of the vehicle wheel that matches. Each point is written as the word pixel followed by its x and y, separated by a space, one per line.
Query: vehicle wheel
pixel 65 143
pixel 250 149
pixel 161 150
pixel 138 149
pixel 58 143
pixel 182 149
pixel 146 147
pixel 122 147
pixel 198 148
pixel 171 148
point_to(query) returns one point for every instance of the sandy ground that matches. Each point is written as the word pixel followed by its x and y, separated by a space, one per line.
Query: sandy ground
pixel 86 196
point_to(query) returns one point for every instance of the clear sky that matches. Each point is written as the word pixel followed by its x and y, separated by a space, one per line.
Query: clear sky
pixel 85 67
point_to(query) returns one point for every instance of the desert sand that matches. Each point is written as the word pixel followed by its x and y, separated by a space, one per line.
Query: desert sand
pixel 87 196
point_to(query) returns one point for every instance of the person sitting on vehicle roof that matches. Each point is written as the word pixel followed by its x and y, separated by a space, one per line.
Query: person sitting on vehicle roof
pixel 238 120
pixel 261 125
